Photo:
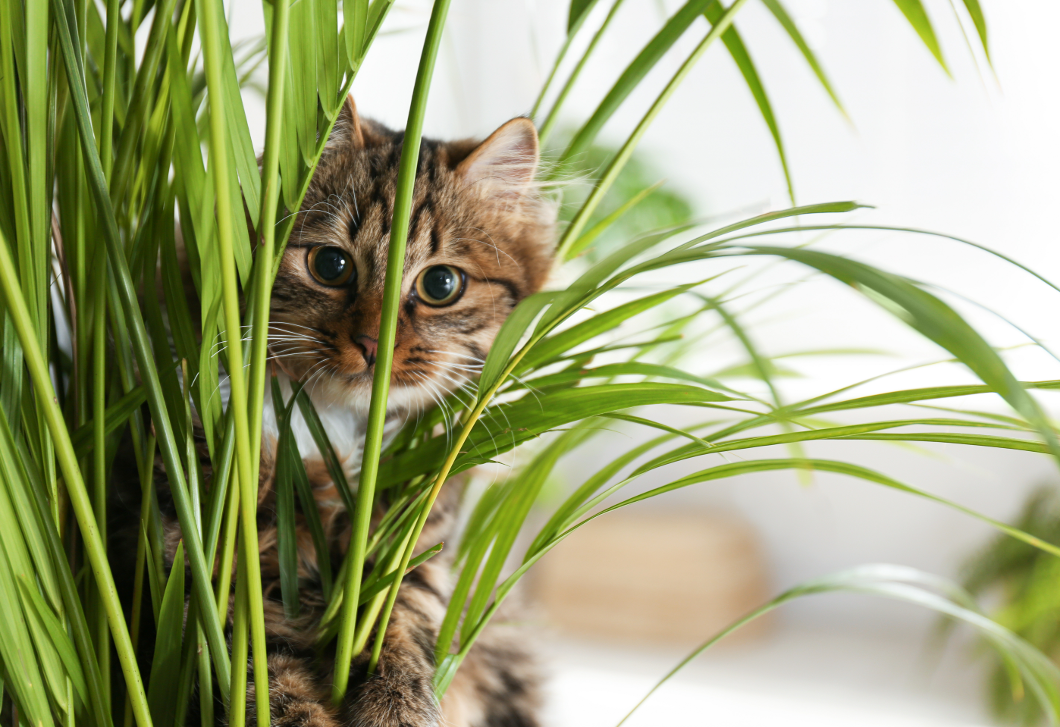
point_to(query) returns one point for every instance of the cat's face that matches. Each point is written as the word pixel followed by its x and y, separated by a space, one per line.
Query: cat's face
pixel 480 240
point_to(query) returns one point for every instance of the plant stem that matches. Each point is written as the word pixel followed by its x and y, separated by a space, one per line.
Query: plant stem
pixel 250 565
pixel 553 114
pixel 75 485
pixel 278 46
pixel 128 305
pixel 373 439
pixel 619 162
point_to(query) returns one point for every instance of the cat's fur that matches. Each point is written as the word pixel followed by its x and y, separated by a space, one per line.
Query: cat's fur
pixel 474 208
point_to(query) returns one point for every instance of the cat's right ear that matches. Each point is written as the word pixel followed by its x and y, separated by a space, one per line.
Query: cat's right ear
pixel 348 131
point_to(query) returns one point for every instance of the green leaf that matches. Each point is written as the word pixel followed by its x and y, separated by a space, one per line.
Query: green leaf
pixel 935 320
pixel 976 13
pixel 508 337
pixel 327 451
pixel 633 75
pixel 912 586
pixel 914 12
pixel 60 641
pixel 534 415
pixel 165 664
pixel 734 43
pixel 781 14
pixel 579 10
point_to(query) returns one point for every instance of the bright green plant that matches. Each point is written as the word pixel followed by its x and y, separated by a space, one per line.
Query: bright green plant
pixel 103 151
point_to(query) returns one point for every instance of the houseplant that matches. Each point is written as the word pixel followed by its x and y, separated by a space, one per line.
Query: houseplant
pixel 104 152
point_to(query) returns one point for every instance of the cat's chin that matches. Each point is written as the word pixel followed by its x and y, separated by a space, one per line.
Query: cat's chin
pixel 354 392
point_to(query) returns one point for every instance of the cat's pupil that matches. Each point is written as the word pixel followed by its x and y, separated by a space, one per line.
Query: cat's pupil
pixel 439 282
pixel 331 264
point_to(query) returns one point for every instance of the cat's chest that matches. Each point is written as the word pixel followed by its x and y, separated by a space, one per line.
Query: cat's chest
pixel 345 429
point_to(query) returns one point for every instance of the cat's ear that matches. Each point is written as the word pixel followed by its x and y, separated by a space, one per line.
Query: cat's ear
pixel 505 163
pixel 348 131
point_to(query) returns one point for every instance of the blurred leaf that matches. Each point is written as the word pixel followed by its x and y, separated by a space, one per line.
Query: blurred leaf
pixel 914 12
pixel 734 43
pixel 912 586
pixel 782 16
pixel 579 10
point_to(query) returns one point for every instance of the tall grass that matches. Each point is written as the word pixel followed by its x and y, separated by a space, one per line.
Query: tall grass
pixel 104 149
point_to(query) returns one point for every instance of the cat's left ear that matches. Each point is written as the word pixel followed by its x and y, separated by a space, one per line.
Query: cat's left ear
pixel 349 130
pixel 505 163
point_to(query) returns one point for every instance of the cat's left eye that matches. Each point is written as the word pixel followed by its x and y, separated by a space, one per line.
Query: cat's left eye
pixel 330 265
pixel 440 285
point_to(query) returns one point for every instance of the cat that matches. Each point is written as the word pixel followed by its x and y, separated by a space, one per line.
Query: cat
pixel 481 239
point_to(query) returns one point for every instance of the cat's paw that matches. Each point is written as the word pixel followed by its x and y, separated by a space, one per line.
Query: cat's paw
pixel 395 701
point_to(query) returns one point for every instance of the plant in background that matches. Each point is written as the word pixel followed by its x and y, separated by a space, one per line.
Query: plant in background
pixel 1023 578
pixel 102 152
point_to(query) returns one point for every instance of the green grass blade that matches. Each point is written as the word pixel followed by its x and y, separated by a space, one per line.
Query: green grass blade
pixel 734 43
pixel 781 14
pixel 71 601
pixel 326 449
pixel 631 77
pixel 936 321
pixel 508 337
pixel 64 647
pixel 141 347
pixel 720 26
pixel 914 12
pixel 909 585
pixel 165 665
pixel 589 236
pixel 577 17
pixel 976 13
pixel 387 332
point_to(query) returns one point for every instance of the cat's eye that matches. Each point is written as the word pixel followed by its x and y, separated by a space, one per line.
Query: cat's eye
pixel 331 265
pixel 440 285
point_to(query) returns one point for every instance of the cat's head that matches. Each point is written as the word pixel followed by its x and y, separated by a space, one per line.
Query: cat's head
pixel 480 240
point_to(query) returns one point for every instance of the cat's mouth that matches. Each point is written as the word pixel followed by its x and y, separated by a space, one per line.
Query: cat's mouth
pixel 416 382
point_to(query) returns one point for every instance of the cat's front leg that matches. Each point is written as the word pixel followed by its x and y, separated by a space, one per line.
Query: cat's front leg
pixel 401 691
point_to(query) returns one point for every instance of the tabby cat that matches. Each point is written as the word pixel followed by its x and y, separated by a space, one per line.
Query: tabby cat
pixel 480 240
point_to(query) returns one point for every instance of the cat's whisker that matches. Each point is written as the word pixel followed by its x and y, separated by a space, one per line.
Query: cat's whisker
pixel 459 384
pixel 447 412
pixel 496 249
pixel 439 402
pixel 356 208
pixel 461 355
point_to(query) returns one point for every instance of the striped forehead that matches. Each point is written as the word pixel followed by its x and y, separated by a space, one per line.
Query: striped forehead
pixel 358 219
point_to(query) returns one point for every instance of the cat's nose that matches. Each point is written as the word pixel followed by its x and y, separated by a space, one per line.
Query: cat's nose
pixel 369 346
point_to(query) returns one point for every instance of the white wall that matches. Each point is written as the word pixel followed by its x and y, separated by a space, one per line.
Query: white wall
pixel 970 157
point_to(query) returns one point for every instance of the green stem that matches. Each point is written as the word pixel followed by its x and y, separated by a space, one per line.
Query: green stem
pixel 391 596
pixel 99 454
pixel 237 712
pixel 250 565
pixel 75 485
pixel 571 33
pixel 553 115
pixel 228 551
pixel 110 70
pixel 146 485
pixel 619 162
pixel 373 439
pixel 267 220
pixel 129 305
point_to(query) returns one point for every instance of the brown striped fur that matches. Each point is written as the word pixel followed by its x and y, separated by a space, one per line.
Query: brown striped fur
pixel 474 208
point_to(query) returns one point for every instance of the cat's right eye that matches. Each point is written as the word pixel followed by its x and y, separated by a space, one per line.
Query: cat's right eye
pixel 330 265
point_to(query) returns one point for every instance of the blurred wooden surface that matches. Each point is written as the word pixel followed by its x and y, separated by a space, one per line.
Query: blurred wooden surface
pixel 655 576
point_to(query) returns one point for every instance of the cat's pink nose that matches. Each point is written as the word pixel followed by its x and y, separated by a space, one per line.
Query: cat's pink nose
pixel 369 346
